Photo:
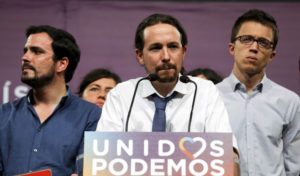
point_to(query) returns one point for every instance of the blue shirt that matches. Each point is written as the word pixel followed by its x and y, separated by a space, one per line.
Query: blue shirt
pixel 266 123
pixel 27 145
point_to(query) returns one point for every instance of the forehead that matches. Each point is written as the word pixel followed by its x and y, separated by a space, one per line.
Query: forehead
pixel 160 33
pixel 39 39
pixel 256 29
pixel 110 82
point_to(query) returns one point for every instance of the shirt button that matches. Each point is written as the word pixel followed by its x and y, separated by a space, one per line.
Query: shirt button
pixel 39 129
pixel 35 150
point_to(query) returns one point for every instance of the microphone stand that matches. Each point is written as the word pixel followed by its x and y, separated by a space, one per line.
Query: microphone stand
pixel 151 77
pixel 186 79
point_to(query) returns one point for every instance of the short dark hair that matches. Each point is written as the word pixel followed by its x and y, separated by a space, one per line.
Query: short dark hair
pixel 256 16
pixel 208 73
pixel 63 45
pixel 155 19
pixel 94 75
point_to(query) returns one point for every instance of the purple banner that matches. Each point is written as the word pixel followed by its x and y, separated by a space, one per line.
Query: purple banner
pixel 105 32
pixel 158 153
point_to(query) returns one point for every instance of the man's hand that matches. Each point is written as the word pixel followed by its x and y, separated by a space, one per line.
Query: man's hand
pixel 236 165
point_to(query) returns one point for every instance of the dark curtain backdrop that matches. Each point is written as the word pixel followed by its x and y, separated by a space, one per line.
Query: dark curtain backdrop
pixel 105 33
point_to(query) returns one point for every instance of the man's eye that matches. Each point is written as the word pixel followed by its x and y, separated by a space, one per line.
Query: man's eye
pixel 173 46
pixel 155 48
pixel 247 39
pixel 263 41
pixel 37 51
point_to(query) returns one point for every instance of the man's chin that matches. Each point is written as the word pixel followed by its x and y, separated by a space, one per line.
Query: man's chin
pixel 252 70
pixel 166 79
pixel 165 76
pixel 28 81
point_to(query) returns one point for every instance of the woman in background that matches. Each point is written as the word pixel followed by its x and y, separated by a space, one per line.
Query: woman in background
pixel 96 84
pixel 206 73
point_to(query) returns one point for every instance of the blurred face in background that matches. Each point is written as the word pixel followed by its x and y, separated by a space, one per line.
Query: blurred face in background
pixel 96 91
pixel 202 76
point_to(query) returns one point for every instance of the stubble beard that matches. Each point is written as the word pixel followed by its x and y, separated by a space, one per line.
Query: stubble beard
pixel 36 81
pixel 168 79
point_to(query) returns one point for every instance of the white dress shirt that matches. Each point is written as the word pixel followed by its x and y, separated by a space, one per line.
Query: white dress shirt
pixel 209 113
pixel 266 123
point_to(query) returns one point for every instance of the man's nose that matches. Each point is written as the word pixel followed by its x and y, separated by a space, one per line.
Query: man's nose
pixel 165 54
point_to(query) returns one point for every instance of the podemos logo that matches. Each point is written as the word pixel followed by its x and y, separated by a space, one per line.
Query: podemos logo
pixel 165 157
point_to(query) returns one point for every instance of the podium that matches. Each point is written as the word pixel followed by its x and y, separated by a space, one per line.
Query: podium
pixel 157 153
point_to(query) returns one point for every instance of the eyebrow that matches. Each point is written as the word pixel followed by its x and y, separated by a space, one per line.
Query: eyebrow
pixel 33 48
pixel 155 45
pixel 174 43
pixel 97 85
pixel 159 44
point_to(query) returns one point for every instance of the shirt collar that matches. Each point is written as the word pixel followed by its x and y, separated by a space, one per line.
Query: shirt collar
pixel 237 85
pixel 147 89
pixel 63 100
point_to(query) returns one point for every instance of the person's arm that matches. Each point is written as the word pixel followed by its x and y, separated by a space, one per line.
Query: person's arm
pixel 1 168
pixel 93 119
pixel 112 116
pixel 291 141
pixel 1 123
pixel 218 121
pixel 236 164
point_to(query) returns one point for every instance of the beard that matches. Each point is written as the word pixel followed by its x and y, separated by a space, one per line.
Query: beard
pixel 36 81
pixel 166 79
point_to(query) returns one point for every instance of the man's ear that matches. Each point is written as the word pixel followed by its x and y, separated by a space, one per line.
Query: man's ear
pixel 62 64
pixel 272 55
pixel 139 56
pixel 231 48
pixel 184 51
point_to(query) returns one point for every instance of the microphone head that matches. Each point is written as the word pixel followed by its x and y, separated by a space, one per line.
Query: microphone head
pixel 184 79
pixel 152 77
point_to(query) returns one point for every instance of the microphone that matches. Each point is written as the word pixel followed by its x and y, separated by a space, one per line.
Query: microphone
pixel 150 77
pixel 186 79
